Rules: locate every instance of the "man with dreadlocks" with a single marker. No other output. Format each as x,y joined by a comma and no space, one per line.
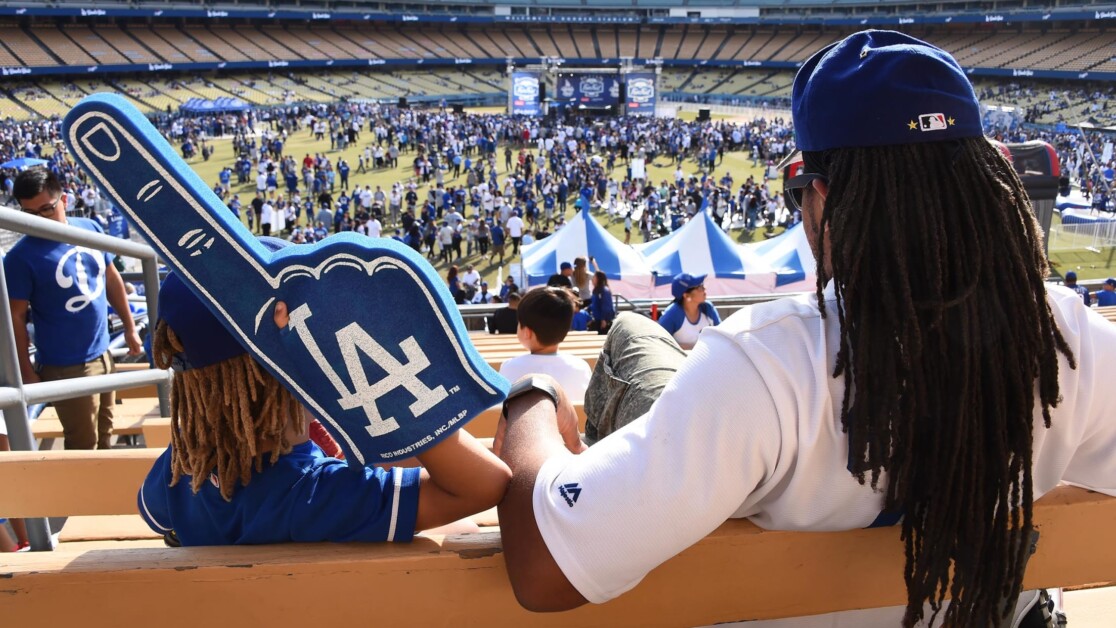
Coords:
933,382
241,468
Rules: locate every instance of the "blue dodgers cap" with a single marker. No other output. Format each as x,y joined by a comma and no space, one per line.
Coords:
1110,282
204,338
1070,276
565,266
683,282
881,88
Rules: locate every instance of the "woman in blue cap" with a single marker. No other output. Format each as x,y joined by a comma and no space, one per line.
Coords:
690,313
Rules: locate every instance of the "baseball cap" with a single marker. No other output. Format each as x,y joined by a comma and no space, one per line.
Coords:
1070,276
683,282
204,339
881,88
565,266
1110,282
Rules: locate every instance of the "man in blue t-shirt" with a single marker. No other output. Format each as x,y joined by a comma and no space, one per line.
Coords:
65,291
1106,296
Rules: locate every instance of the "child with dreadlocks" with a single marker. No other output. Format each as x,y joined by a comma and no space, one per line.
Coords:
933,382
241,468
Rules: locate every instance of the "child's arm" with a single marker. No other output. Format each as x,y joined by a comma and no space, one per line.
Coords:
460,478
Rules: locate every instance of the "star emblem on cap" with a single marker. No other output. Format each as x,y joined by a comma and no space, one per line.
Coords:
911,125
951,121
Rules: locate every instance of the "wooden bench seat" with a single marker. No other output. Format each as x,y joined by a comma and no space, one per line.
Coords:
128,418
1108,312
738,572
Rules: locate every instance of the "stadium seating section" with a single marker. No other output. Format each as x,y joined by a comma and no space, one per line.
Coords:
84,44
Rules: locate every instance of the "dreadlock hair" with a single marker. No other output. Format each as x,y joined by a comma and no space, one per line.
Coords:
946,336
221,414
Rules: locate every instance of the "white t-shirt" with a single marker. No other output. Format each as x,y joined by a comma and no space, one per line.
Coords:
572,372
770,447
515,227
375,229
687,334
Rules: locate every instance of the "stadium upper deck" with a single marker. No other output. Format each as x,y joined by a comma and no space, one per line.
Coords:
41,45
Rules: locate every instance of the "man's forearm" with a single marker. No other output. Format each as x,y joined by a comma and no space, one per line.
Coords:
531,439
23,346
118,298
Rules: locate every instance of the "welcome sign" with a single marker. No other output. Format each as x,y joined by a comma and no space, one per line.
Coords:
375,347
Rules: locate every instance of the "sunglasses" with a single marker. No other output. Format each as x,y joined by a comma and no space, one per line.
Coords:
44,210
795,188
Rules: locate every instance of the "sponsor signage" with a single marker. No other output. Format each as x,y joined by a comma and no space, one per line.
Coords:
642,93
525,94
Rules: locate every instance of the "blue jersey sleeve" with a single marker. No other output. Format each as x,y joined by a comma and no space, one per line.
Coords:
338,502
152,498
19,277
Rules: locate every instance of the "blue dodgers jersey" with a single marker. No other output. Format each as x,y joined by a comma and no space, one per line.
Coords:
65,285
305,496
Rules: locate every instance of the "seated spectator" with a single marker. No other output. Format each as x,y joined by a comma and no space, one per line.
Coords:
1106,296
271,483
690,312
483,296
545,315
508,287
561,279
581,317
505,320
1071,283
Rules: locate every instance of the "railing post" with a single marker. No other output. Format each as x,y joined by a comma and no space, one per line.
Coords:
151,293
19,426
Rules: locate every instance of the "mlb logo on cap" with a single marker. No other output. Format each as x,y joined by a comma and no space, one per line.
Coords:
932,122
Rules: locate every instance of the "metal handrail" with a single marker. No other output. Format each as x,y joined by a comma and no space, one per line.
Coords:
15,397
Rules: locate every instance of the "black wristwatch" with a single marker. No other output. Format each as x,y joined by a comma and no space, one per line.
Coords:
528,384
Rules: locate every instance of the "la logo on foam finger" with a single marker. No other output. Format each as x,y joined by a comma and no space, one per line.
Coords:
375,346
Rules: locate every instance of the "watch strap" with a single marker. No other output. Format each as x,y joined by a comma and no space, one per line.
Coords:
529,384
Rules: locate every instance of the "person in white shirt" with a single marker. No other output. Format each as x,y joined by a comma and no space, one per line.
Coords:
932,381
471,277
515,231
544,316
374,228
267,218
483,296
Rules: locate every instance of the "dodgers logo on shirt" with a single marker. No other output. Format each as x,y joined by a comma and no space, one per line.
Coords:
375,347
83,269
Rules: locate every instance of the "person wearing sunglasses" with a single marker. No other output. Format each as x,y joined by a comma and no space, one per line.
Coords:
932,381
65,290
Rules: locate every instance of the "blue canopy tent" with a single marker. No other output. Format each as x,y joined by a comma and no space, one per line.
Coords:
700,247
218,105
628,275
23,163
789,256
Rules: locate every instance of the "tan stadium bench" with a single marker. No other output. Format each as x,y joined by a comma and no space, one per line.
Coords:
738,572
1108,312
128,418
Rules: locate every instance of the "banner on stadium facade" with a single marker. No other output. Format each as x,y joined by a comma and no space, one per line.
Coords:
642,94
524,95
591,90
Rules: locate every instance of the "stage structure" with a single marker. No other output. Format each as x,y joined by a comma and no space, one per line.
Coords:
552,89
